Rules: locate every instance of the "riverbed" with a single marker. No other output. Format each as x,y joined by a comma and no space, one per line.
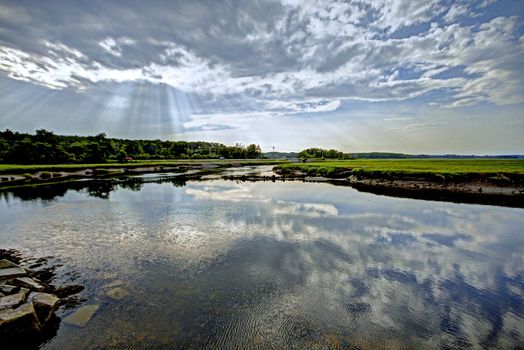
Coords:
213,263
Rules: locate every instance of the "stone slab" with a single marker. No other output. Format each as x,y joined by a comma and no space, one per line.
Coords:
8,289
12,300
21,320
27,282
4,263
11,272
45,304
117,293
82,316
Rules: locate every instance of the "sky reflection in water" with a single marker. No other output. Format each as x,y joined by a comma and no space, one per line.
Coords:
273,265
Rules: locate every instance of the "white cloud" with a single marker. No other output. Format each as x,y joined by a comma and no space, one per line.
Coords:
110,45
333,52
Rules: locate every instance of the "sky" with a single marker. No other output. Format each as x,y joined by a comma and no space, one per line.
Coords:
428,76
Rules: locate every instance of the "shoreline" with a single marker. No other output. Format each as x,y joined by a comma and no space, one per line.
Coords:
504,189
30,296
500,189
59,174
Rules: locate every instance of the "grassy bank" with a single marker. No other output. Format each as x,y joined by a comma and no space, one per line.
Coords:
446,168
20,169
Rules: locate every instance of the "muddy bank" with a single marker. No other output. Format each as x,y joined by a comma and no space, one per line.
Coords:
52,175
505,189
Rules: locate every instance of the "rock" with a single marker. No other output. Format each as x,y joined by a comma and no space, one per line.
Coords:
11,272
115,283
12,300
117,293
4,263
8,289
2,294
81,316
27,282
45,304
66,291
22,320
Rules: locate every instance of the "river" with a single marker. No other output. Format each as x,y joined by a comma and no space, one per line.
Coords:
220,264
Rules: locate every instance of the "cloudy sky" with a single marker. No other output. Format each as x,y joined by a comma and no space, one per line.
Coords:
426,76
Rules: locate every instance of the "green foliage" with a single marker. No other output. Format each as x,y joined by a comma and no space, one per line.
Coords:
323,153
441,167
44,147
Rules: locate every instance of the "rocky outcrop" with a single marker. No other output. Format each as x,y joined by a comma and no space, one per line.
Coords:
24,309
27,302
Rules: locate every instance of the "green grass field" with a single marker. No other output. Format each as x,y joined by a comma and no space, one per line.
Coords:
18,168
406,166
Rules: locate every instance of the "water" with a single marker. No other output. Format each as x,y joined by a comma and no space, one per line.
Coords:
232,265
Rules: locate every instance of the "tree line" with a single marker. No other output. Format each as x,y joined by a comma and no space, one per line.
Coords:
45,147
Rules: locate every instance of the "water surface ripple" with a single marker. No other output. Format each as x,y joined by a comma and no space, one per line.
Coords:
260,265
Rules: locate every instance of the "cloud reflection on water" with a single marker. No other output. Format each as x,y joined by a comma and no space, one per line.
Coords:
306,263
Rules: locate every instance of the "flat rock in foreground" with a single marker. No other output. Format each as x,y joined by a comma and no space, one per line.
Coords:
11,272
27,282
12,300
4,264
21,320
45,304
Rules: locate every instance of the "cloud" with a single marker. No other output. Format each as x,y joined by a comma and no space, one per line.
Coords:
277,56
110,45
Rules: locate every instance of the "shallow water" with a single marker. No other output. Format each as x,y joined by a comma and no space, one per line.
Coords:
243,265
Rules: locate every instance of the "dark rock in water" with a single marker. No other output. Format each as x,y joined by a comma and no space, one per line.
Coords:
45,304
11,255
66,291
19,321
12,300
29,283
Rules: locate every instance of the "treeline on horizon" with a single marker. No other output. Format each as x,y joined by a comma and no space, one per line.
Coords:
319,153
45,147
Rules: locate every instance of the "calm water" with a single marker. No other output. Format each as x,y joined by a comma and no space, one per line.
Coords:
226,265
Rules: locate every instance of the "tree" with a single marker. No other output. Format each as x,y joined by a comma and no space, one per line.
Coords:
253,151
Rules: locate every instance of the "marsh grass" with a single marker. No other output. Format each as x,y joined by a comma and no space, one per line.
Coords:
445,167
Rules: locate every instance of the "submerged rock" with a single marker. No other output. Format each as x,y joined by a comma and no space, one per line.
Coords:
27,282
22,320
66,291
82,316
115,283
45,304
117,293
